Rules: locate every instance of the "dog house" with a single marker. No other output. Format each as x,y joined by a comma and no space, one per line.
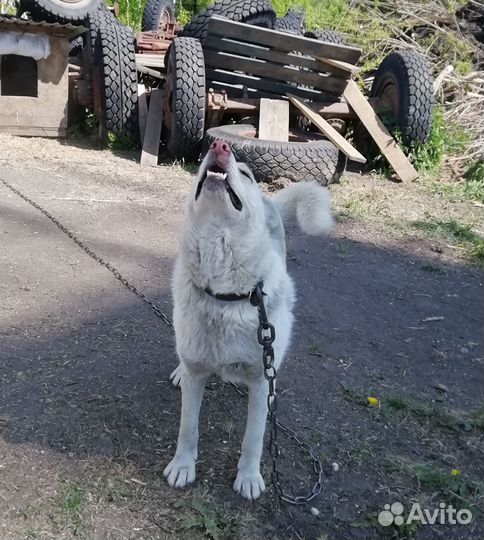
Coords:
34,76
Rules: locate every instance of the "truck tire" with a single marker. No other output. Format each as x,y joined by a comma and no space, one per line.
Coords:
330,36
63,11
184,99
403,83
157,13
255,12
307,157
114,55
292,22
95,19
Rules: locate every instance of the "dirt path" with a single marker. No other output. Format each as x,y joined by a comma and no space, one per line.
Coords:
88,419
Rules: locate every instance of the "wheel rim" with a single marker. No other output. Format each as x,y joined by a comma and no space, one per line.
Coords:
389,95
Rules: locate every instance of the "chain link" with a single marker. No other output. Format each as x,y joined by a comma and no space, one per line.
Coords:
266,335
116,273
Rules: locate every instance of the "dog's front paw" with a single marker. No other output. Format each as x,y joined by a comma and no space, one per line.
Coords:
249,484
180,471
176,376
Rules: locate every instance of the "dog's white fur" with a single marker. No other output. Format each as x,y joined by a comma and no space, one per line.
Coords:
230,251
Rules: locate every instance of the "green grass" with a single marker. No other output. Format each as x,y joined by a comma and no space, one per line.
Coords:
363,205
465,189
72,506
445,139
205,519
450,419
460,491
121,142
393,406
456,233
130,13
337,15
314,349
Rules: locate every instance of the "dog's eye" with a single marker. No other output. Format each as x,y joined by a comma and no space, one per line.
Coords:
246,174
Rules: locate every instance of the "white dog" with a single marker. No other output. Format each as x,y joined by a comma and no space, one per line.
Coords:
233,238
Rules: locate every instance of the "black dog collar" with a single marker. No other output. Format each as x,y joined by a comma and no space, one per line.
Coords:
232,297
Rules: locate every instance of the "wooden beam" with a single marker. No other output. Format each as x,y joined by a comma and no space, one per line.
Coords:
273,87
142,110
150,60
151,141
390,149
333,110
338,66
250,50
267,70
274,120
282,41
336,138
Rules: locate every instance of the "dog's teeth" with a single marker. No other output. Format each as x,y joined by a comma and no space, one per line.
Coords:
220,175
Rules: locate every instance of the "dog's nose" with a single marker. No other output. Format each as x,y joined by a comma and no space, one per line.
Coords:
220,147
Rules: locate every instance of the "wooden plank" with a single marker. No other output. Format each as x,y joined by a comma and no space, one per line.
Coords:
151,60
142,110
273,87
345,67
239,92
278,57
33,131
282,41
274,120
151,141
260,68
390,149
336,138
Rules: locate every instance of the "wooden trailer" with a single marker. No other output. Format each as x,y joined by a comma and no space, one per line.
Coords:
271,83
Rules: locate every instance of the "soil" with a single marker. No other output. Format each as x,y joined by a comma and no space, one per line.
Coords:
88,418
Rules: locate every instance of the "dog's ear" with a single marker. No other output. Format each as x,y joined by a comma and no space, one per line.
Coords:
245,171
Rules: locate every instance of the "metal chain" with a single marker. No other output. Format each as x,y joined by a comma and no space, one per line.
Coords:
266,335
116,273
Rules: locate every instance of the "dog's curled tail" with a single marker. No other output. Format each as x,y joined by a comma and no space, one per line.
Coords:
309,202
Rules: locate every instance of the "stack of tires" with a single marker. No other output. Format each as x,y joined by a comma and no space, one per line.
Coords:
108,50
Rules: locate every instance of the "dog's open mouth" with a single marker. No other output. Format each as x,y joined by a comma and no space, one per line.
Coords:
218,173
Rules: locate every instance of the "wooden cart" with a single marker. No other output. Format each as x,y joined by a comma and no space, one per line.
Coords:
241,67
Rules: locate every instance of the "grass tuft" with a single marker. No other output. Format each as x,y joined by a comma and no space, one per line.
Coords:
205,519
72,506
461,235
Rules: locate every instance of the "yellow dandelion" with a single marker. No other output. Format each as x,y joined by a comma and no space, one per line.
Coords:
373,401
454,472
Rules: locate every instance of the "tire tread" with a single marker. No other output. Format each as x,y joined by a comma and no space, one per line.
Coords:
315,160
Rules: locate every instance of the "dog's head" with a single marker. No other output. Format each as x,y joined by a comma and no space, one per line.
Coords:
225,188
